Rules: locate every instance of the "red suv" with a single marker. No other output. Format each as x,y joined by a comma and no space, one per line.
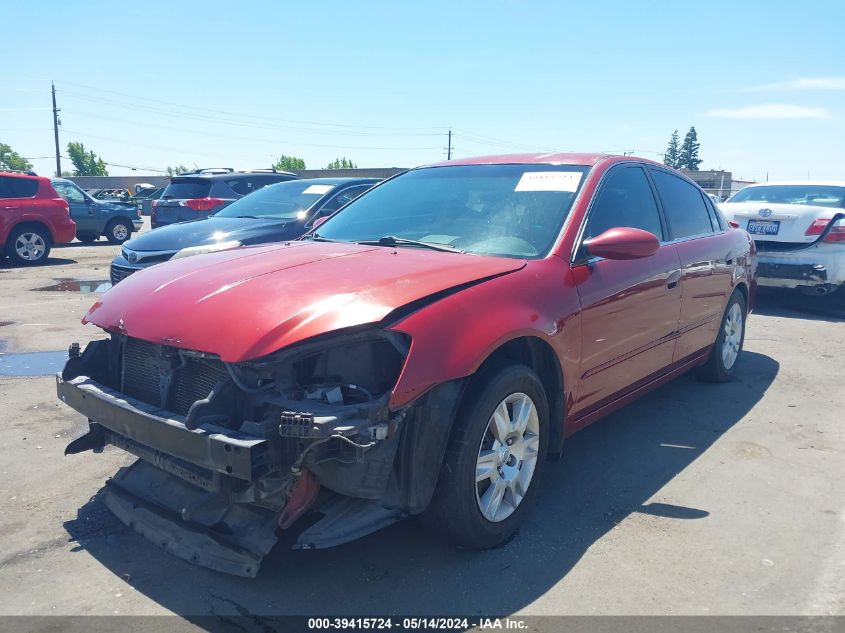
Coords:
421,352
32,218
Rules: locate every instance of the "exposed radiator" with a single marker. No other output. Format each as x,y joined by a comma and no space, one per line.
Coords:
146,367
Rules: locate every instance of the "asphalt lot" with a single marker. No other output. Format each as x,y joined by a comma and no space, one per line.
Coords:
698,499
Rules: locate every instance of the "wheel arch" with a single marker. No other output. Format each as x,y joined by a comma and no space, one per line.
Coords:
537,354
32,224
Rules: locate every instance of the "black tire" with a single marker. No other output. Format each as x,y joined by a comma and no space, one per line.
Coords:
37,233
87,238
715,370
454,511
118,231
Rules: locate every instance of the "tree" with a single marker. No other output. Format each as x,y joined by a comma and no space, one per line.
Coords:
341,163
688,158
85,163
289,163
175,171
10,159
672,156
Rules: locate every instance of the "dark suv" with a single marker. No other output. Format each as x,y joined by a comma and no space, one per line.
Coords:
198,194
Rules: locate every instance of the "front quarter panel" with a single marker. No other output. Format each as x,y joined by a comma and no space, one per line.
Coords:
452,337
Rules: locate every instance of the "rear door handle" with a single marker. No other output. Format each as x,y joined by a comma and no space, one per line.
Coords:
673,279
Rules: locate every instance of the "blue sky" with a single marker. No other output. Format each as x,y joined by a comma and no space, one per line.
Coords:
236,84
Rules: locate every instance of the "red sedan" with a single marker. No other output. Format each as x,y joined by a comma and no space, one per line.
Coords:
421,352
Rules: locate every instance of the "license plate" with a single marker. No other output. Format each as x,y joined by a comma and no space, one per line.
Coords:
763,227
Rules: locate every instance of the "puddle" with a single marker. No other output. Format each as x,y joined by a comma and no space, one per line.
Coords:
77,285
32,363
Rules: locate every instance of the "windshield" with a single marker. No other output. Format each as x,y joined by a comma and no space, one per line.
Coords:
817,195
505,210
283,201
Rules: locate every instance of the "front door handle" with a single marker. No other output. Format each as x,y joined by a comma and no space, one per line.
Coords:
673,279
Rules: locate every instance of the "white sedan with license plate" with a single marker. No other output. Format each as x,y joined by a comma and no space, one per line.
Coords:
799,231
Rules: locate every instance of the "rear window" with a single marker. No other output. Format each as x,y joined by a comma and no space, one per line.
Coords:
817,195
186,188
11,187
683,204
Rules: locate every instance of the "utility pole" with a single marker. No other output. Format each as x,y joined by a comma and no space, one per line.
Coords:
449,148
56,134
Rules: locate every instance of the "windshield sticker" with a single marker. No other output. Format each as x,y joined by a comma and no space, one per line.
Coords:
549,181
319,189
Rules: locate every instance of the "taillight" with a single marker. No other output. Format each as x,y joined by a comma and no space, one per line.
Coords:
204,204
65,204
153,210
733,225
837,234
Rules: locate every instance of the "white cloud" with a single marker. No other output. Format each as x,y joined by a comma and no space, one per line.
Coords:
801,83
770,111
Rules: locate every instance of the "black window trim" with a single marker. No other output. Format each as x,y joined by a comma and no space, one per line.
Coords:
578,258
704,197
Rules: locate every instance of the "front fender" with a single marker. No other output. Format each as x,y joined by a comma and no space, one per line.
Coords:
452,337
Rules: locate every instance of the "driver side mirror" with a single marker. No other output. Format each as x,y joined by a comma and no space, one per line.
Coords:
623,242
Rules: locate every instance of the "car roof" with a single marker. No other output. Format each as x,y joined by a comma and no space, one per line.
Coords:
545,158
334,181
799,183
229,175
20,174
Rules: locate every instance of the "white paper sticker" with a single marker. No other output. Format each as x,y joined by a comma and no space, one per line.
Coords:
319,189
549,181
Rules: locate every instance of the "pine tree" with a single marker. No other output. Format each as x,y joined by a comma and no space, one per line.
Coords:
672,156
689,151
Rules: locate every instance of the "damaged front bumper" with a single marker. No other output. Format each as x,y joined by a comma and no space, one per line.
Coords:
215,491
210,495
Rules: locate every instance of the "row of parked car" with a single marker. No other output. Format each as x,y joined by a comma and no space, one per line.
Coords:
797,226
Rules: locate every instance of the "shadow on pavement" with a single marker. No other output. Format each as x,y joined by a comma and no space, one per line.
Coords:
6,263
792,304
609,471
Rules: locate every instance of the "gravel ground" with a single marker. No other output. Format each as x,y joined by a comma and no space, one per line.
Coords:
697,499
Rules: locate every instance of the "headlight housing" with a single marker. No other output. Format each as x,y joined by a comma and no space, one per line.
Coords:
206,248
344,367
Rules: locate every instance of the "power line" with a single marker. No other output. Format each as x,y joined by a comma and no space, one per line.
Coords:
237,115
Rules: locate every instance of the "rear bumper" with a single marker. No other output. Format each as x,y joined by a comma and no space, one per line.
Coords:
63,232
819,265
137,224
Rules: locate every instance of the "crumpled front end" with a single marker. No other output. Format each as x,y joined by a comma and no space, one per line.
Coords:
231,452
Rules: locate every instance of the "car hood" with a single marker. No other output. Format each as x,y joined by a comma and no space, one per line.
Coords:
211,230
248,302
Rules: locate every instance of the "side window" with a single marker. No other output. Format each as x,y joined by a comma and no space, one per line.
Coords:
686,213
242,186
714,216
625,199
18,187
344,197
71,194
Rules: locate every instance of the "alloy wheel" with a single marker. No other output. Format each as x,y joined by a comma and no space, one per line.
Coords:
507,457
30,247
733,336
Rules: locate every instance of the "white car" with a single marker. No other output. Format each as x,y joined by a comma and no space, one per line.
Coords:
799,230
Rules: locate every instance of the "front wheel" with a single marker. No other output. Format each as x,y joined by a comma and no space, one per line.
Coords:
726,351
491,470
118,231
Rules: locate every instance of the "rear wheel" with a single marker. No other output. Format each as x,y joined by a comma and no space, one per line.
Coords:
118,231
728,347
28,246
491,471
87,238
